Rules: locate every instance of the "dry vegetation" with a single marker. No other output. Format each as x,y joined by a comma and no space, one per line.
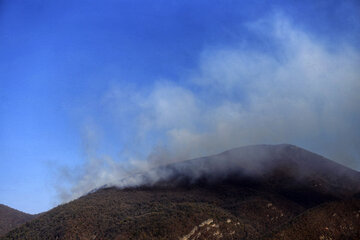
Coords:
171,213
276,205
329,221
11,218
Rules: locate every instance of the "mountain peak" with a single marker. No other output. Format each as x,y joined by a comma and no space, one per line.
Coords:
260,162
251,192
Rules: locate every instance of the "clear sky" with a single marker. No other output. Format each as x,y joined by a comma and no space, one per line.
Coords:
88,85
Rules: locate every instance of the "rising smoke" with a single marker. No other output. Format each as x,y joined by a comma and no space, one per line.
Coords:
305,92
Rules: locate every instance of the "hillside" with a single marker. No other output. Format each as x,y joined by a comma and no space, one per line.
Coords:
11,218
282,167
246,193
333,220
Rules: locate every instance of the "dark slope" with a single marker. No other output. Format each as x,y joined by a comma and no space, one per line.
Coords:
245,193
334,220
286,169
161,213
11,218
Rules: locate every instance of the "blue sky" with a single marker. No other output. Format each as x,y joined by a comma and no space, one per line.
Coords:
123,81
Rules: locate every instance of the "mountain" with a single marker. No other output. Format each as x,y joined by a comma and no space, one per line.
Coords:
254,192
333,220
11,218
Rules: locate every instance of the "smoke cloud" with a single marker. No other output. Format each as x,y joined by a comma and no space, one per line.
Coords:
304,91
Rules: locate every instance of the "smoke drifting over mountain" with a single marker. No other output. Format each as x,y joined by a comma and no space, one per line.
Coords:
305,92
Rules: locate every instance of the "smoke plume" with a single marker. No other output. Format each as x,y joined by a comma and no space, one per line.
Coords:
305,91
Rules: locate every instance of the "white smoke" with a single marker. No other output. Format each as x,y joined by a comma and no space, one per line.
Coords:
304,92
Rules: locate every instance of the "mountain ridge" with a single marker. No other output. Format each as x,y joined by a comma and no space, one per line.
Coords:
11,218
223,196
252,161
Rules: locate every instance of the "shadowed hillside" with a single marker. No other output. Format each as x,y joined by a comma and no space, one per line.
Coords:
283,167
246,193
11,218
334,220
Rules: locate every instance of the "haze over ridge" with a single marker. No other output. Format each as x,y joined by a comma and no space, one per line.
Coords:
94,91
290,95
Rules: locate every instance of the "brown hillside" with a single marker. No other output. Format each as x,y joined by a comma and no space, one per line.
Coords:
161,213
11,218
335,220
246,193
